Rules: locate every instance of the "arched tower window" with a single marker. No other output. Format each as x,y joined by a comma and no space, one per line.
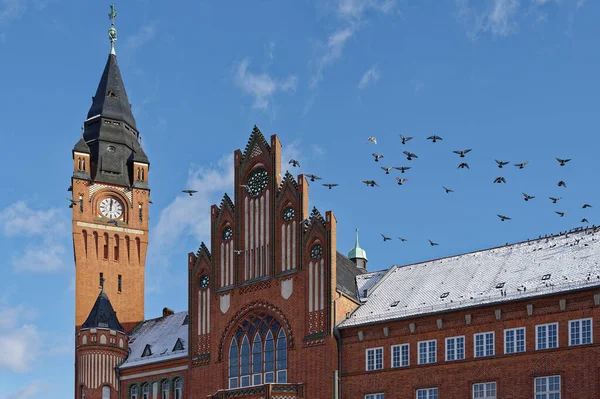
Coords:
105,246
134,392
178,382
106,392
139,174
164,389
79,163
116,249
83,164
261,358
96,243
84,340
128,247
143,175
102,339
85,239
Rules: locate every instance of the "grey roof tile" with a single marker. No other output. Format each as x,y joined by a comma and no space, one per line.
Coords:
102,315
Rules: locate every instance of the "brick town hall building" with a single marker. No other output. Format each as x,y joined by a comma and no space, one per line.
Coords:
275,311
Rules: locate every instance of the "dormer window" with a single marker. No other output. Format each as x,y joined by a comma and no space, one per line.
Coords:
178,345
147,351
186,321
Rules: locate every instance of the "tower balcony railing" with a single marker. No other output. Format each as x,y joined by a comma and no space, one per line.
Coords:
266,391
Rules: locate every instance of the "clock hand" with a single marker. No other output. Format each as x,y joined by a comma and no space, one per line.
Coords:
111,202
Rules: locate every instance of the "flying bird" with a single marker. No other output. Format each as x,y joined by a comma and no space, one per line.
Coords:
401,180
562,162
561,214
405,139
434,138
377,156
527,197
313,177
503,218
239,251
501,164
586,206
447,190
463,165
113,221
385,238
330,185
402,168
402,239
190,192
562,184
554,199
499,179
371,183
70,188
371,140
461,152
387,169
433,243
522,164
294,163
409,155
74,202
584,220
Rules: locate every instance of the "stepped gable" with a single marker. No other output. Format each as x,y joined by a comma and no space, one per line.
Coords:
287,178
316,215
256,135
202,250
226,202
102,315
524,270
158,340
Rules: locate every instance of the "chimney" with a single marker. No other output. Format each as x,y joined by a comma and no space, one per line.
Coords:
167,312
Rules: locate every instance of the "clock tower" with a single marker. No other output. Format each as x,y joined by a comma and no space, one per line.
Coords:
110,197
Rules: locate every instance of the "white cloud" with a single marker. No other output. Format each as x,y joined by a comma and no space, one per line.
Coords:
11,10
290,151
498,18
10,316
18,219
34,389
48,253
191,215
145,34
371,76
352,12
261,86
19,348
45,257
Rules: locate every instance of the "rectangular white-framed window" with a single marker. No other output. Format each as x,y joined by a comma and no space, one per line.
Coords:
547,387
455,348
427,393
428,351
580,332
400,355
486,390
374,358
514,340
546,336
375,396
484,344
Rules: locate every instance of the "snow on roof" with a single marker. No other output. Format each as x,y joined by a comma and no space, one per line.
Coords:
528,269
161,335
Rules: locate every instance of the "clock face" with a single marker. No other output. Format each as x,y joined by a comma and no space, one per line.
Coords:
111,208
316,251
288,214
204,281
257,182
227,233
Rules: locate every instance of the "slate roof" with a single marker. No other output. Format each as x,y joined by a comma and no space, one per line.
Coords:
346,272
102,315
81,146
111,99
514,272
161,334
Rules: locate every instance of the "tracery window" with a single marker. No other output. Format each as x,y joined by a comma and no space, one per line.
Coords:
258,352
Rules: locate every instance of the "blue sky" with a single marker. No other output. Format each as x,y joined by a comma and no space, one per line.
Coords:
514,80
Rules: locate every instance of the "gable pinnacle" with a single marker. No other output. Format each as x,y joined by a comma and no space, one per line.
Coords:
112,31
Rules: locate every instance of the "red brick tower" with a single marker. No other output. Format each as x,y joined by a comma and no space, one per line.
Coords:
110,202
101,344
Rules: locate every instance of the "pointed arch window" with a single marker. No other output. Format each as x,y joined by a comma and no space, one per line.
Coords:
134,392
146,391
261,358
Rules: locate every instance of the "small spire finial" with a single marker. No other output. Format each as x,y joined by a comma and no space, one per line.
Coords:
102,282
112,32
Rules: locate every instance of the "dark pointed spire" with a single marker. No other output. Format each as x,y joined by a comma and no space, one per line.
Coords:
102,314
111,99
